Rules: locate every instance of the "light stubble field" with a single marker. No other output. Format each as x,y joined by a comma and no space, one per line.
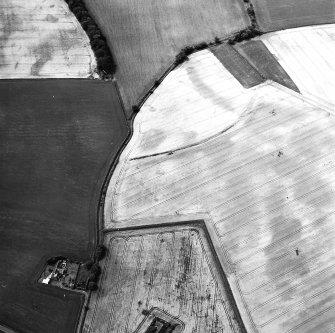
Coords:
145,36
267,186
306,54
42,39
170,268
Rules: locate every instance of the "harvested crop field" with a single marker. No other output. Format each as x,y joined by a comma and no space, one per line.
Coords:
306,54
205,100
276,15
167,269
266,187
58,138
145,36
42,39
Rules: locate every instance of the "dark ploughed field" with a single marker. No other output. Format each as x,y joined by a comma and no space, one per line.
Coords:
57,141
283,14
145,36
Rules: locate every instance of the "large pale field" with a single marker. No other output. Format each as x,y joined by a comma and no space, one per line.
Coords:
307,55
284,14
146,35
169,269
266,188
42,39
205,98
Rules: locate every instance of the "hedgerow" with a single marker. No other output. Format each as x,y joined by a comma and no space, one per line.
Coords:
251,12
186,51
105,61
244,34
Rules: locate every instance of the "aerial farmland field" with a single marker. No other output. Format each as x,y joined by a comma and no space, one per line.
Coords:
168,269
42,39
145,36
265,62
58,138
205,98
276,15
208,207
307,55
266,187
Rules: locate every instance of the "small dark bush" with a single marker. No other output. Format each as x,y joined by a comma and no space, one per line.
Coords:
81,14
200,46
245,34
86,23
76,10
53,260
91,27
187,50
100,53
96,36
106,64
96,269
145,312
99,44
135,108
93,32
92,286
217,40
156,84
180,58
100,252
93,277
251,11
88,264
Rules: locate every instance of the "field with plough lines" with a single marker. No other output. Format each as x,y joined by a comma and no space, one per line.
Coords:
276,15
306,54
258,56
204,98
42,39
267,187
145,36
170,269
58,138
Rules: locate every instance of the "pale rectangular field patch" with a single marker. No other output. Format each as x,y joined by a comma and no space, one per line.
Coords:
169,269
42,40
306,54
